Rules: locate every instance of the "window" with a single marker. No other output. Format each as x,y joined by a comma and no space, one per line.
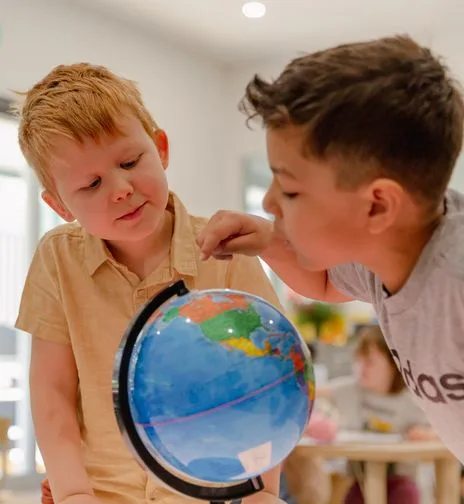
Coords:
23,219
13,205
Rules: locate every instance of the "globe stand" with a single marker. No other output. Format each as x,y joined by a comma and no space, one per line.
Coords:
213,494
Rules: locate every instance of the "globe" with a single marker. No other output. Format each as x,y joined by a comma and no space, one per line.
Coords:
212,388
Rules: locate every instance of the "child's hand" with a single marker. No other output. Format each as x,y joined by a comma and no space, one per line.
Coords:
47,497
228,233
420,433
321,428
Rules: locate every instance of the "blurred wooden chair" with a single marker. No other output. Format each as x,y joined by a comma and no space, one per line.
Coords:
340,486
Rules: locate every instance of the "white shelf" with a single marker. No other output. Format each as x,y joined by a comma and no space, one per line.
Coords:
12,394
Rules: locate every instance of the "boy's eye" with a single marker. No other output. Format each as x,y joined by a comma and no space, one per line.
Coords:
94,184
130,164
290,195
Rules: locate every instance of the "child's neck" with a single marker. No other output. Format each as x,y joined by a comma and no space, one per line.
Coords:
381,392
143,257
396,258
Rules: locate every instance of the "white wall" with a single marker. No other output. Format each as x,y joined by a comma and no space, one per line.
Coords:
244,144
190,96
185,92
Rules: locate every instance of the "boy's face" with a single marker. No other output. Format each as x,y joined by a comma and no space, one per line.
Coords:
115,187
323,224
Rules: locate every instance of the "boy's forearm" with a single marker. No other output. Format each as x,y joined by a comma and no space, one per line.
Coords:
58,437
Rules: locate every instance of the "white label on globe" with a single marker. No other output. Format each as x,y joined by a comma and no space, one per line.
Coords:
256,459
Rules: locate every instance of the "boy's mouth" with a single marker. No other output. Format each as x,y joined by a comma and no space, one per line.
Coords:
132,214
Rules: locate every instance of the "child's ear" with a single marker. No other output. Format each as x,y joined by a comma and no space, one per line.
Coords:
162,144
386,202
57,206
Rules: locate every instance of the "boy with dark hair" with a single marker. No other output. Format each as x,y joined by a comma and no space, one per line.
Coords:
362,140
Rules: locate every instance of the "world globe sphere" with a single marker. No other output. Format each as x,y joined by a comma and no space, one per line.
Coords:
212,388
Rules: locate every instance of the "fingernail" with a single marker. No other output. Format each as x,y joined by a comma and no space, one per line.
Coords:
202,256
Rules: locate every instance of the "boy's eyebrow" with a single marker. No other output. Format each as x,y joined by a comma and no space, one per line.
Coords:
282,171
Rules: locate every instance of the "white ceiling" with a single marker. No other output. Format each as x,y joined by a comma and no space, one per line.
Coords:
218,28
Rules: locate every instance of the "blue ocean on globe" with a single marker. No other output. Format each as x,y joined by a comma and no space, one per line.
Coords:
220,386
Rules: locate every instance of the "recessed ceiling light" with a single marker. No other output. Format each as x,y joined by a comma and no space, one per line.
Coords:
254,9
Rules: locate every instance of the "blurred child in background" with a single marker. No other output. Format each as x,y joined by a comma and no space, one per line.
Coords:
376,399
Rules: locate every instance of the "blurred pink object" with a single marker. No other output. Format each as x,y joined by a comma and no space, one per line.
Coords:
321,428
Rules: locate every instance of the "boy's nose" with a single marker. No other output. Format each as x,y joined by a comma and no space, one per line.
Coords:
270,203
122,190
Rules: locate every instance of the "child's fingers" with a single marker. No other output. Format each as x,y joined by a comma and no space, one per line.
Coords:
215,233
245,244
47,497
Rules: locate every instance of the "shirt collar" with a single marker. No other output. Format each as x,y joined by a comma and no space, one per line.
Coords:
183,256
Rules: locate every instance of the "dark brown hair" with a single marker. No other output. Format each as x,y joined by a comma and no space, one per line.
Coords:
371,336
385,108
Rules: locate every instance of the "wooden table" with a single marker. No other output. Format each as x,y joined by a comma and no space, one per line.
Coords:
377,455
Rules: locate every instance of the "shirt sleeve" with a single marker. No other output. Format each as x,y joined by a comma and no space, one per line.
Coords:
41,312
353,280
246,274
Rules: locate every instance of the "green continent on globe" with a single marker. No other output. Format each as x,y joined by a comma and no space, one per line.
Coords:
171,314
229,322
242,323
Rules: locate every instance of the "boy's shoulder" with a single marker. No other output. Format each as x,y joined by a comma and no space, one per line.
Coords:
62,250
68,230
449,241
64,237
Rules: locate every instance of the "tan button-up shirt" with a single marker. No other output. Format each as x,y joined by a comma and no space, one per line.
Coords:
77,294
